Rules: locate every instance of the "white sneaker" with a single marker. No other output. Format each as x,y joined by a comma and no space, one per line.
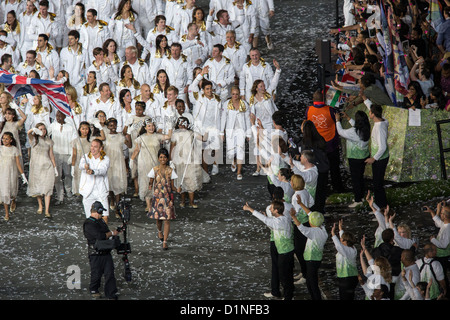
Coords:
233,167
355,204
271,296
206,177
215,169
256,173
300,281
239,176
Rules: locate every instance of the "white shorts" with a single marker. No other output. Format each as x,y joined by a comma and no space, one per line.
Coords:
87,204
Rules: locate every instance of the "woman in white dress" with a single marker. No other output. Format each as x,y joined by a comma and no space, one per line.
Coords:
132,125
14,125
42,170
147,145
117,172
9,167
185,154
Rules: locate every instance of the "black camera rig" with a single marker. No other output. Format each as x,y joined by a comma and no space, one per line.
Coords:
124,248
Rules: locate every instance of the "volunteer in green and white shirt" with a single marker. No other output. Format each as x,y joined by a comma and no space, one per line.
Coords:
357,144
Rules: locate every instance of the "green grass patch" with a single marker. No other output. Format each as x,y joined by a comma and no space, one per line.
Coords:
400,195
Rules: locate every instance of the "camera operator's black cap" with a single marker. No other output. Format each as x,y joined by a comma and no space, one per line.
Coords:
97,207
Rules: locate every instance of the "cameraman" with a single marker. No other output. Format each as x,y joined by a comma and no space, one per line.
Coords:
100,261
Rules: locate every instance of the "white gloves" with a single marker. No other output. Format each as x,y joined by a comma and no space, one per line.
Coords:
56,171
171,165
131,164
13,105
97,124
72,171
24,178
37,131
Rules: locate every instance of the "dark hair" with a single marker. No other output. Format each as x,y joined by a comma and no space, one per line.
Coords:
93,11
14,113
5,58
111,120
349,237
219,46
13,141
362,125
311,137
106,44
167,81
418,88
377,110
74,33
158,40
176,44
278,118
140,104
43,36
82,123
120,7
195,11
367,80
286,172
164,152
14,24
122,94
440,98
387,235
125,68
277,193
278,205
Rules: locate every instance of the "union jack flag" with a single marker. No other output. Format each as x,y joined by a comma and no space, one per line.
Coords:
19,85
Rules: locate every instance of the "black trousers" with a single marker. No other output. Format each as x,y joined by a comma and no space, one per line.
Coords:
102,265
335,173
299,249
378,172
445,262
357,167
275,275
286,269
312,279
321,192
347,287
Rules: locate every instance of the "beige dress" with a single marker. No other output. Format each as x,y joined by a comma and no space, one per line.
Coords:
83,147
147,158
41,179
117,172
187,161
14,128
9,186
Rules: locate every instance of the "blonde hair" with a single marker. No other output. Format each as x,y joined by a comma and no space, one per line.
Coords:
385,268
406,228
297,182
72,92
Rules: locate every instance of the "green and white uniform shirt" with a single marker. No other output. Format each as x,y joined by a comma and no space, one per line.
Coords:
317,236
345,258
356,148
282,232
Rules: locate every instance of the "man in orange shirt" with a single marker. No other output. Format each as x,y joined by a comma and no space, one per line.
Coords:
324,119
